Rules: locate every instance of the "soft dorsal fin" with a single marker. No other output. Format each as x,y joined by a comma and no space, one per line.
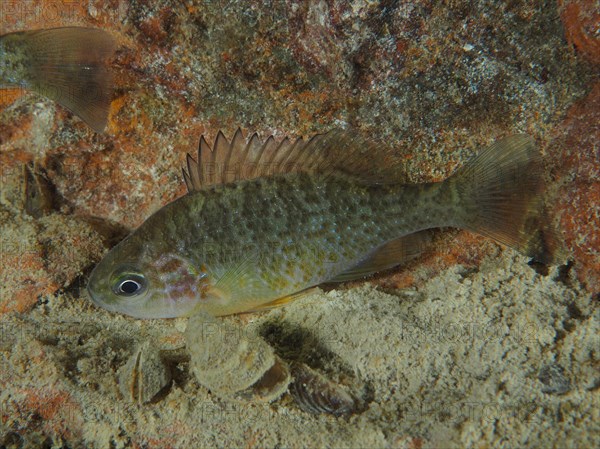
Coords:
335,152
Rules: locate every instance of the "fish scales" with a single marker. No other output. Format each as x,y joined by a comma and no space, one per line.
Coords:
317,226
256,243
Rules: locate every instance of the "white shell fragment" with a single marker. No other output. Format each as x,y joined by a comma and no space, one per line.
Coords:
233,362
144,375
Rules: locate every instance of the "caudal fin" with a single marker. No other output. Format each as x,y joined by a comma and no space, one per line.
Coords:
500,196
68,65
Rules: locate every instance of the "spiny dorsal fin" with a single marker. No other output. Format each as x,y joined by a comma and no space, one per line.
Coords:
335,152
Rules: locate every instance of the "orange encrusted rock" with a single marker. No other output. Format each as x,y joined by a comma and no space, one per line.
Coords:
581,19
576,160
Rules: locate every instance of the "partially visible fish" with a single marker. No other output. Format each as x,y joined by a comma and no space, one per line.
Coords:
265,221
67,65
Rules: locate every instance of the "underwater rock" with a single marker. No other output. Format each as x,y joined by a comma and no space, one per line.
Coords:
575,160
581,19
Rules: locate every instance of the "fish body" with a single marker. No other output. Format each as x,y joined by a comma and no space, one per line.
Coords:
67,65
252,243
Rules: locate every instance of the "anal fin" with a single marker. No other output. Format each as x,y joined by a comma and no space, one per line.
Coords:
285,299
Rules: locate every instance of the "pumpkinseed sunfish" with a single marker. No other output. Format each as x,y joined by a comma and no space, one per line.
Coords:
66,65
265,221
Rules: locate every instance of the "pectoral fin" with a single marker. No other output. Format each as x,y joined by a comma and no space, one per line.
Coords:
241,285
389,255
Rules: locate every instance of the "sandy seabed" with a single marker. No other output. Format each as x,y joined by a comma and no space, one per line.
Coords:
497,357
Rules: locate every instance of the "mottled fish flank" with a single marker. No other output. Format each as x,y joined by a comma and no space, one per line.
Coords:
264,221
67,65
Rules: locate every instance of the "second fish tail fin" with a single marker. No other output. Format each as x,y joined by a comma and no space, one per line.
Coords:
500,195
68,65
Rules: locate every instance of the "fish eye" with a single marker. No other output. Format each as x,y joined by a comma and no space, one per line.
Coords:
130,284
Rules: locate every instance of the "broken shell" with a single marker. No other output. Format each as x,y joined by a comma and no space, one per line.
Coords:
553,378
234,363
38,195
144,375
314,393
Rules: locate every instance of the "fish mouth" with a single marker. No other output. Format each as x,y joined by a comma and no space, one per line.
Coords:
94,286
109,305
97,299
